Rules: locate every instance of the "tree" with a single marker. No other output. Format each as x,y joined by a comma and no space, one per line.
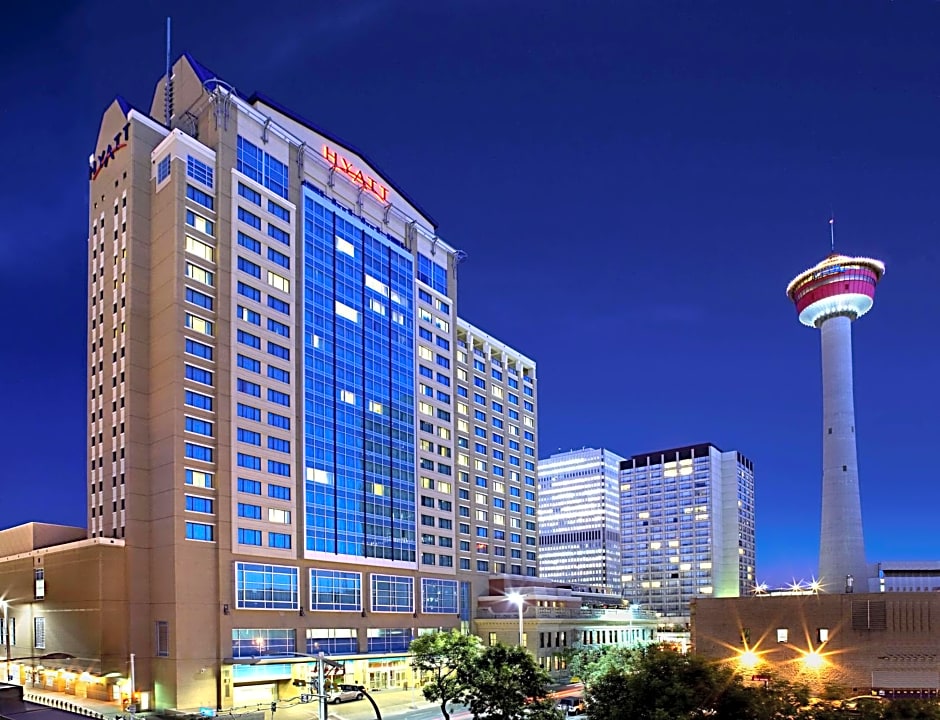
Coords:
662,684
505,683
442,655
588,663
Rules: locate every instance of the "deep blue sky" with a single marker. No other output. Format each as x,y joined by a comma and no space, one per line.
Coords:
635,182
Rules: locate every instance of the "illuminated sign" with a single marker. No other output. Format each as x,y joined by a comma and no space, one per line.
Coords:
366,182
100,162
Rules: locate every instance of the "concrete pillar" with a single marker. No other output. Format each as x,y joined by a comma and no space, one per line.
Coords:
841,544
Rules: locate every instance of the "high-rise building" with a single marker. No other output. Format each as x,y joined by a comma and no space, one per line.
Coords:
830,296
579,518
273,434
497,447
687,517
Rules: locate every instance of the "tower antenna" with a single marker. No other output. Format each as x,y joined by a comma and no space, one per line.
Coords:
168,88
832,232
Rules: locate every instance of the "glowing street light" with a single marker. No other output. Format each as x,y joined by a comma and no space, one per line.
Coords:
519,601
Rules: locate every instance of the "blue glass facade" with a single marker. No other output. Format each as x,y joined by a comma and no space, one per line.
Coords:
359,369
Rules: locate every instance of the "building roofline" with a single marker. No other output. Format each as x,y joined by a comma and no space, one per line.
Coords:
258,97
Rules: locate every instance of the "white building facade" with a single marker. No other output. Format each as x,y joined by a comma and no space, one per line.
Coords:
687,518
579,518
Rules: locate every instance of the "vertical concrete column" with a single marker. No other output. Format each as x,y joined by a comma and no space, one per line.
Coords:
841,544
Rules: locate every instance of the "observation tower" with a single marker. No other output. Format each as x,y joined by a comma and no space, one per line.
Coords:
829,296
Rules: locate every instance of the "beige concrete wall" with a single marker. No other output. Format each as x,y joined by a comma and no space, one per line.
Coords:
907,642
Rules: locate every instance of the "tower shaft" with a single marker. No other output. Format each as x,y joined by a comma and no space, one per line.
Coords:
841,543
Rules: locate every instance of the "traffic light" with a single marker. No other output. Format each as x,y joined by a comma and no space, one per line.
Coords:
273,707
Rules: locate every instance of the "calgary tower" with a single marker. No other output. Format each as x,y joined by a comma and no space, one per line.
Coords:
829,296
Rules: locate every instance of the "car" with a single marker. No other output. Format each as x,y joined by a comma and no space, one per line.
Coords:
571,705
344,693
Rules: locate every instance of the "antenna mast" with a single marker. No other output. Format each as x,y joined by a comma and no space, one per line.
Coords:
168,88
832,233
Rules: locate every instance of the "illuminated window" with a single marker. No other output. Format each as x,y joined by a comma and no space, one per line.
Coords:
822,635
783,635
279,516
283,284
200,249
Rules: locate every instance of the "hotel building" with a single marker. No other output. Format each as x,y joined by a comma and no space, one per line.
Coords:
687,518
298,444
579,518
496,450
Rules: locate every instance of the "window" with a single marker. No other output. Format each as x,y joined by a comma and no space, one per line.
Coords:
198,196
278,305
279,258
198,478
199,171
279,328
198,426
248,436
278,211
279,421
252,487
200,274
163,169
246,338
249,388
199,504
246,241
197,452
252,196
277,234
279,468
278,282
249,267
247,363
822,635
197,298
261,167
39,632
247,536
279,444
783,635
392,593
266,587
248,315
162,644
198,400
201,325
279,540
278,492
200,531
438,596
201,224
335,590
248,291
249,218
278,397
252,462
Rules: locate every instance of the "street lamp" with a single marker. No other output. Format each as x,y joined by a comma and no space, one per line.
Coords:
519,601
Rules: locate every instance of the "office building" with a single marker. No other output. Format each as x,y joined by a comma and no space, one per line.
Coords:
687,518
830,296
579,518
282,434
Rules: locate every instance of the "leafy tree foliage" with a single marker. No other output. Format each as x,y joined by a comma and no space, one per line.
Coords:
443,657
661,684
505,683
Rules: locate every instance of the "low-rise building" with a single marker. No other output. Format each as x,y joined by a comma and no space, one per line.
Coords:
847,644
552,618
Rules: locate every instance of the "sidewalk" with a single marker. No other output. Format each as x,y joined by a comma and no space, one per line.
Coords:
101,709
390,701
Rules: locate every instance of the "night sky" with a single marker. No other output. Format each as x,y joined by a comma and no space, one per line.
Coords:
634,182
